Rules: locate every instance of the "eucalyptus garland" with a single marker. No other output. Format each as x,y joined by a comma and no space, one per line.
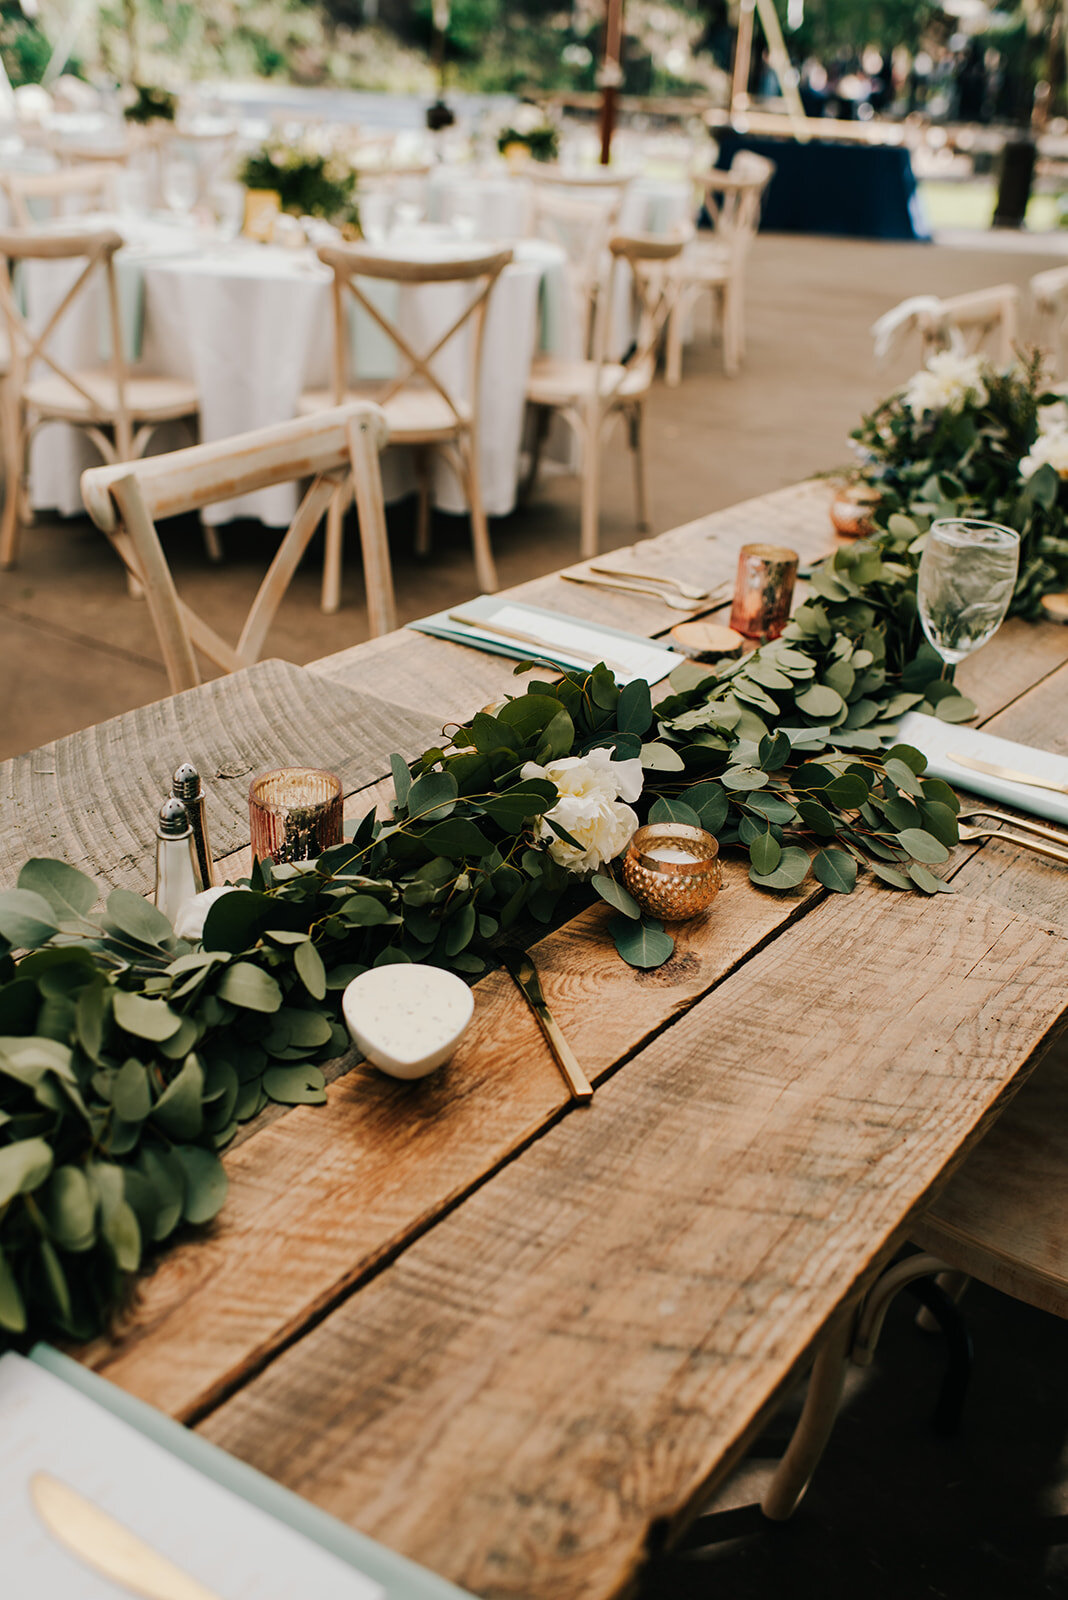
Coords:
129,1056
967,439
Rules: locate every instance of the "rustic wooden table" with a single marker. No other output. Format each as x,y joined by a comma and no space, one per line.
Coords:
521,1341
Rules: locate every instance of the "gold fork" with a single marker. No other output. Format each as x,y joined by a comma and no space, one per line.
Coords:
1030,835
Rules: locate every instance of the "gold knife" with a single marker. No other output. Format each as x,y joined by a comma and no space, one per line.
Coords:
525,973
107,1547
1007,774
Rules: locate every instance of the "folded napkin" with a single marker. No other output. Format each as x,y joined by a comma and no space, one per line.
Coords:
938,739
554,637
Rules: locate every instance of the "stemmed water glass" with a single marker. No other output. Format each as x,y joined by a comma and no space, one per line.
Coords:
966,581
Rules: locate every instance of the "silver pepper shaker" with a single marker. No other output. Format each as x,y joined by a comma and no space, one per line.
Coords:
175,876
187,787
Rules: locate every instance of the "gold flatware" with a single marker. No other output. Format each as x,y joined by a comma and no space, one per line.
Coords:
525,974
107,1547
1015,830
689,591
673,600
1007,774
585,658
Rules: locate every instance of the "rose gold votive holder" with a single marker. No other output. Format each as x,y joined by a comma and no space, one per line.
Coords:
764,590
295,813
672,870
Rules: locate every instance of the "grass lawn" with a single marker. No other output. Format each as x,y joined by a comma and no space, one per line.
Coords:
971,205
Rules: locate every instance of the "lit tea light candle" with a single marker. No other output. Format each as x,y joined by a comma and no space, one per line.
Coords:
672,870
295,813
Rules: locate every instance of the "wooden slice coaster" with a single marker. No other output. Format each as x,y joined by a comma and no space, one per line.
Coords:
708,641
1056,607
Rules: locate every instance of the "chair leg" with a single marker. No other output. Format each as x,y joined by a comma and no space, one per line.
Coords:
673,351
542,419
641,493
333,553
732,332
591,489
803,1453
422,525
16,454
485,566
212,543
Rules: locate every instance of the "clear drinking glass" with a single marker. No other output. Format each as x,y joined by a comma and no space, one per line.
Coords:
966,579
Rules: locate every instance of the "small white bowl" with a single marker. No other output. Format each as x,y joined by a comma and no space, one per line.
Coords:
407,1019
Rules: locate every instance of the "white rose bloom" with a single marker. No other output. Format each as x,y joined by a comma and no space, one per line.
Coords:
949,382
189,923
591,788
1048,449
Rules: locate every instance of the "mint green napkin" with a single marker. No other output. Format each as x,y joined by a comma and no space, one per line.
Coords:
402,1579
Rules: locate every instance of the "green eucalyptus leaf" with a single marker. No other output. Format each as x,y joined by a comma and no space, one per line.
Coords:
12,1305
820,701
926,880
641,944
179,1109
23,1167
615,895
402,778
26,918
634,710
146,1019
69,893
248,986
297,1085
835,869
922,846
131,1095
433,796
310,970
765,853
657,757
665,810
205,1183
792,869
130,916
890,875
69,1207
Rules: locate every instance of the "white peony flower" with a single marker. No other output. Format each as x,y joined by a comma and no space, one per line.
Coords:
949,382
189,923
591,789
1048,449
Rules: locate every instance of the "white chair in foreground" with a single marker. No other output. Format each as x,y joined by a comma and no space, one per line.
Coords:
981,322
1049,298
423,408
337,450
715,265
119,411
999,1219
588,394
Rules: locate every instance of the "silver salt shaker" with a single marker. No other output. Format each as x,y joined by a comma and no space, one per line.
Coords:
187,787
175,877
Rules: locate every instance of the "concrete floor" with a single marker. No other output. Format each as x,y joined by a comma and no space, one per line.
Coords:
896,1512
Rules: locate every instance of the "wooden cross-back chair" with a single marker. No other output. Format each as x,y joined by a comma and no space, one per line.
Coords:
423,410
999,1219
716,266
981,322
118,411
590,393
336,449
1049,299
580,224
91,186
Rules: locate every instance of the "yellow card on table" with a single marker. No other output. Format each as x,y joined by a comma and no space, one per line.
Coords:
262,206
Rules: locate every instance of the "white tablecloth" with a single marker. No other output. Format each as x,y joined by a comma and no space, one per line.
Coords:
251,327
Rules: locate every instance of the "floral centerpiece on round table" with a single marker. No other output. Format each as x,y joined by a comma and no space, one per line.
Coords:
967,438
529,136
312,177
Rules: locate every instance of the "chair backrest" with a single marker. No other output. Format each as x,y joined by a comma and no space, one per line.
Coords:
126,500
92,185
734,198
650,261
580,223
351,263
984,320
1049,299
30,346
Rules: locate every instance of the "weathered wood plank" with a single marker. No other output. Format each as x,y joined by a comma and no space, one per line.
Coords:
92,798
572,1354
321,1195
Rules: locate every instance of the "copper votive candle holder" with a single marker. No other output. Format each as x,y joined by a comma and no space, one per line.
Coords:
672,870
764,590
295,813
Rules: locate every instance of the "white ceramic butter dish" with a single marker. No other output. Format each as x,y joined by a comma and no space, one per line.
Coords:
407,1019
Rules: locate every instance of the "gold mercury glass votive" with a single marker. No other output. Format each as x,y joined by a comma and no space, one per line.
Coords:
295,813
672,870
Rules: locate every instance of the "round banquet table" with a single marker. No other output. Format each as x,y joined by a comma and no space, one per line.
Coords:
251,327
